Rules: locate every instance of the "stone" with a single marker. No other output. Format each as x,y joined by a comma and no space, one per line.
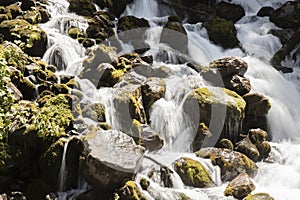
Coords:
116,7
175,35
202,133
240,85
94,111
28,4
193,173
287,16
231,163
230,11
209,105
246,147
222,32
130,191
240,187
257,105
150,139
152,90
265,11
82,7
111,157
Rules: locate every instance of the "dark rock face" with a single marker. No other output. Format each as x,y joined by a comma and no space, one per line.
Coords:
240,187
232,163
265,12
112,156
288,15
229,11
222,32
240,85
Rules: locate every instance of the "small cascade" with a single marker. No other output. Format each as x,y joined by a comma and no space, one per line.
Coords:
63,171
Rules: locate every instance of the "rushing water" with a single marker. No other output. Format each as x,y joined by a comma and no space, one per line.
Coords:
280,179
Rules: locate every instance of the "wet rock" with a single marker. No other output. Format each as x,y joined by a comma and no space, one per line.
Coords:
228,66
130,191
33,38
152,90
193,173
94,111
230,11
222,32
203,105
287,16
111,157
202,132
240,85
28,4
116,7
265,11
259,196
246,147
257,105
82,7
259,138
240,187
150,139
232,163
225,143
75,33
175,35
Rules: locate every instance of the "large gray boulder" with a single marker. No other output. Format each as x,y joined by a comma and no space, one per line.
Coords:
111,157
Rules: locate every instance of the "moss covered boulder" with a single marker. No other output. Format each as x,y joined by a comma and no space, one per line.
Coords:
240,187
31,38
222,32
232,163
288,15
129,191
246,147
94,111
82,7
206,105
193,173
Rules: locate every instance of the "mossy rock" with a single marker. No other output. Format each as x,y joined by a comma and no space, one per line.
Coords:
193,173
94,111
259,196
13,11
240,187
82,7
246,147
33,17
31,38
222,32
232,163
75,33
129,191
204,103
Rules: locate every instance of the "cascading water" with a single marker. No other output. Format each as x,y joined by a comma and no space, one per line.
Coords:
281,178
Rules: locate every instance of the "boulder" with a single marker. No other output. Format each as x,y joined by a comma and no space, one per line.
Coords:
265,11
220,108
259,138
259,196
152,90
287,16
175,35
150,139
240,85
222,32
232,163
246,147
193,173
230,11
33,38
82,7
240,187
257,105
111,157
130,191
94,111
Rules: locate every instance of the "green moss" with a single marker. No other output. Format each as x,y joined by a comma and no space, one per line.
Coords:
117,74
193,173
33,17
129,192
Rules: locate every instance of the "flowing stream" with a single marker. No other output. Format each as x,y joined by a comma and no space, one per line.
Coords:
280,179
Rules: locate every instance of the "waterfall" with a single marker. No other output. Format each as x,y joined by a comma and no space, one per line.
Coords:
167,116
63,171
